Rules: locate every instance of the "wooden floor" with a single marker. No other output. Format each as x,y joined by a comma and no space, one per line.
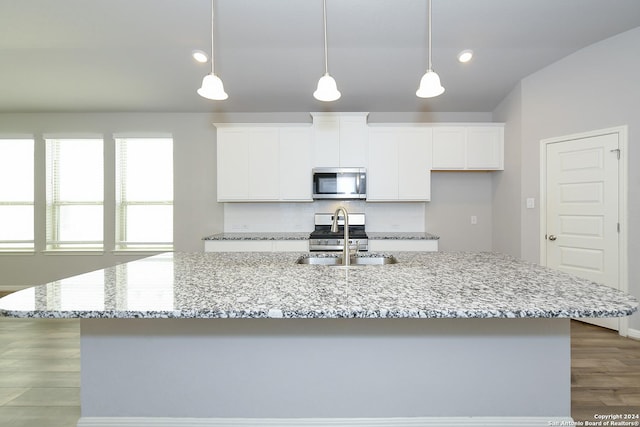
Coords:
40,373
605,373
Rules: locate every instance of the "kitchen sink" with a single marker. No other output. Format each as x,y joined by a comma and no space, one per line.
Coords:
355,261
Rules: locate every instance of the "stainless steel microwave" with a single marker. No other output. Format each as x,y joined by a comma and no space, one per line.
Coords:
339,183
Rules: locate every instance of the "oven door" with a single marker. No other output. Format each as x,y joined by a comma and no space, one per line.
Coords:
341,183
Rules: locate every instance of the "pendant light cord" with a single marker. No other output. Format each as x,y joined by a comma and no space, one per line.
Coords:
212,20
429,16
324,19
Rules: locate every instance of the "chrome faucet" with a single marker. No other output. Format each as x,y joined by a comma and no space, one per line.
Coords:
334,229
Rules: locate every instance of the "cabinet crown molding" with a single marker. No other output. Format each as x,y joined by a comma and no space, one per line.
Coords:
339,115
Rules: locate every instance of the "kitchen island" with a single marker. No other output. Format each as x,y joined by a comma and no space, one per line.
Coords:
255,339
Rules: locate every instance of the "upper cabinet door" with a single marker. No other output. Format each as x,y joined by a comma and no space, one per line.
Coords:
264,164
399,164
468,147
414,164
326,141
295,164
485,147
382,172
353,141
340,139
449,151
233,164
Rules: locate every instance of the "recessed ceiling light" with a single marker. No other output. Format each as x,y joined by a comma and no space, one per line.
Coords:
200,56
465,55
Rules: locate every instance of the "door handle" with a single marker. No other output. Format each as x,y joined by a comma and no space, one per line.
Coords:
553,237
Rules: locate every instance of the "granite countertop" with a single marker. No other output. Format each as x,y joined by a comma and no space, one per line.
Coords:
374,235
400,235
260,236
272,285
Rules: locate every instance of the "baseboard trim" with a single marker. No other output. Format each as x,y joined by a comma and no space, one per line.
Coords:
327,422
633,333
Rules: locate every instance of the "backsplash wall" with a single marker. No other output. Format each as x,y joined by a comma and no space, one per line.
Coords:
298,217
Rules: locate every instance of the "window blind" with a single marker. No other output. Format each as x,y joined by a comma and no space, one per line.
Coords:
144,193
16,194
75,194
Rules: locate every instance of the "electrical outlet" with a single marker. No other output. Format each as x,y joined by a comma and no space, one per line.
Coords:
531,203
474,219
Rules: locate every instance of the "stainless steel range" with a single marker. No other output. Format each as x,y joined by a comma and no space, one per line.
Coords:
323,239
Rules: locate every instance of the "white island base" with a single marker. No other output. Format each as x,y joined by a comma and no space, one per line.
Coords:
325,372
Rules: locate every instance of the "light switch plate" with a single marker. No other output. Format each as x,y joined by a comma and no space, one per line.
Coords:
531,203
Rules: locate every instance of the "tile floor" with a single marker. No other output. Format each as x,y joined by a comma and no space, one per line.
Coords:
39,373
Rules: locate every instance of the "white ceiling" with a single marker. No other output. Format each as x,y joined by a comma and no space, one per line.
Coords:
134,55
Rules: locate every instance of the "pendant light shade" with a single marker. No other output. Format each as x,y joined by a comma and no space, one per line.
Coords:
212,87
430,85
327,88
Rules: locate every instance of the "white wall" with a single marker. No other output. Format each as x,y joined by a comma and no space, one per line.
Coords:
594,88
455,197
507,198
196,212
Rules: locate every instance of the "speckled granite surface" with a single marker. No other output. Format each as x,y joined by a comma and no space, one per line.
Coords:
259,236
391,235
272,285
375,235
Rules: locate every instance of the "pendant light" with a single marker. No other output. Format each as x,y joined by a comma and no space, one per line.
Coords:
212,87
327,89
430,83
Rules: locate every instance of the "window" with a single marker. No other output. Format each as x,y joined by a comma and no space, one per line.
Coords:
16,194
149,284
75,194
81,292
144,193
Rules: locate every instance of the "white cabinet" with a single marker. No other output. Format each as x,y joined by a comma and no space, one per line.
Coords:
468,147
233,164
326,141
485,147
449,150
295,164
273,162
340,139
263,163
256,246
399,164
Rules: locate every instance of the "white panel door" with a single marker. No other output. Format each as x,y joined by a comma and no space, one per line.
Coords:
582,210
